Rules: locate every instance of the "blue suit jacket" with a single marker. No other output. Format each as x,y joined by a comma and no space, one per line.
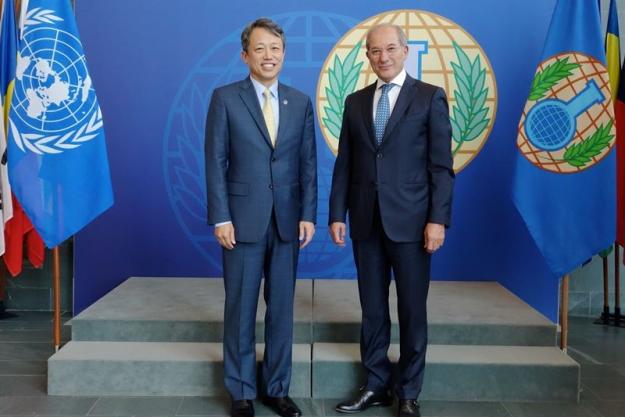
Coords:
410,173
246,178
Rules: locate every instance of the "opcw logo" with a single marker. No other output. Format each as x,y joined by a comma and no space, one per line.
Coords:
441,53
567,126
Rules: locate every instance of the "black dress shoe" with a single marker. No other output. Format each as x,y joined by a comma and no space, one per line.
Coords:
284,406
365,400
242,408
408,408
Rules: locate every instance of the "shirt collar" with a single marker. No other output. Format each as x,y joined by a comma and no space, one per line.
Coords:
398,80
260,88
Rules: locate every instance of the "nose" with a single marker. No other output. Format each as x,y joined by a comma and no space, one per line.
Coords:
267,54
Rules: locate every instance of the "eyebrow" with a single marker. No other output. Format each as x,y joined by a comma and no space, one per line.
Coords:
387,46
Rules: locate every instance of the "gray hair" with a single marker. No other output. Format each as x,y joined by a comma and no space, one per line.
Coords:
263,23
403,41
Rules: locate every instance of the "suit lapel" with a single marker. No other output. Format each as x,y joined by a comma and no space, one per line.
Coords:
367,111
284,116
248,95
406,95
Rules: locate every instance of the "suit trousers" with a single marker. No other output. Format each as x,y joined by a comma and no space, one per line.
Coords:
375,257
243,268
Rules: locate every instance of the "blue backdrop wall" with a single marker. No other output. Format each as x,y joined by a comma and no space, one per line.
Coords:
154,64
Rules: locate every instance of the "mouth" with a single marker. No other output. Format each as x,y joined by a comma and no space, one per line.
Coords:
268,66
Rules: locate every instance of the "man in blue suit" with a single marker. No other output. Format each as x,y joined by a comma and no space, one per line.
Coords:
261,176
394,176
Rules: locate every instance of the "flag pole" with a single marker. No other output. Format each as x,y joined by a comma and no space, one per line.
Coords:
605,316
617,287
56,284
564,313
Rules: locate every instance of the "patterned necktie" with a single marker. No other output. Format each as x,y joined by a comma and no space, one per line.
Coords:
268,116
382,113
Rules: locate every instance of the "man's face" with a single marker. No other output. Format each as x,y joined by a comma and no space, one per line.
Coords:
264,56
386,54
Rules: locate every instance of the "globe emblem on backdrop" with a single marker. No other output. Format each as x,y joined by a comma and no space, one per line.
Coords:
441,53
309,37
52,87
566,126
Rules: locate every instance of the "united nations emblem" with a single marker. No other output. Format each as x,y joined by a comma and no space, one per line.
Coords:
54,107
441,53
567,125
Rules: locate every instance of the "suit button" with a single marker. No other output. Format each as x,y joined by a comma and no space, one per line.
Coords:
271,186
379,156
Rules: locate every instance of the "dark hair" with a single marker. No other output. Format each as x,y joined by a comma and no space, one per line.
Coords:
263,23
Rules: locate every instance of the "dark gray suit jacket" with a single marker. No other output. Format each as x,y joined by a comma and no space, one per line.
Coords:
246,178
411,173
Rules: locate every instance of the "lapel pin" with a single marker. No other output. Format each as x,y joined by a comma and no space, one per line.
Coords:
285,102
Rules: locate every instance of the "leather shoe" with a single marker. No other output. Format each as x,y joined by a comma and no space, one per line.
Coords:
284,406
242,408
365,400
408,408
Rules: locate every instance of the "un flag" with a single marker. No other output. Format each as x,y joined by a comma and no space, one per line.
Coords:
57,159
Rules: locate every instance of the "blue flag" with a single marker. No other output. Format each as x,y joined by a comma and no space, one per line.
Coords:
8,51
564,180
58,165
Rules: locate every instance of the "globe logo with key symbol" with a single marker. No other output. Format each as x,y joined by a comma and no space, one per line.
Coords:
567,125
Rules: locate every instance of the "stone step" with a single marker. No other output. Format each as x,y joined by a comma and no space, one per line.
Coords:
153,369
459,373
191,310
453,372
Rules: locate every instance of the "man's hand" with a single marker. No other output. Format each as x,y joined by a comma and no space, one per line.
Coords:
434,236
225,236
337,233
306,233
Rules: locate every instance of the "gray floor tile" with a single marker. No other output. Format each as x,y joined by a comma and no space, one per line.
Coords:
599,371
68,406
23,367
26,351
586,396
610,389
204,406
22,386
611,408
33,335
550,409
136,406
607,352
463,409
620,368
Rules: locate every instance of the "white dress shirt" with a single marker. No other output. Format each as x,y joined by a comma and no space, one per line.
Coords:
393,93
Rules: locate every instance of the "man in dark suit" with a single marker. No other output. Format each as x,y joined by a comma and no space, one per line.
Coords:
261,176
394,175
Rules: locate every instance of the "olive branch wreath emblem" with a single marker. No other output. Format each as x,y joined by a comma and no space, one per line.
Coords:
469,116
343,76
581,153
42,144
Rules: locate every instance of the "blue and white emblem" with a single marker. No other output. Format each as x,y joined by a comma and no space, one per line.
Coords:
55,108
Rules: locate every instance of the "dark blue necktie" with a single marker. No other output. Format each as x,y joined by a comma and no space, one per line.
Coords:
382,113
